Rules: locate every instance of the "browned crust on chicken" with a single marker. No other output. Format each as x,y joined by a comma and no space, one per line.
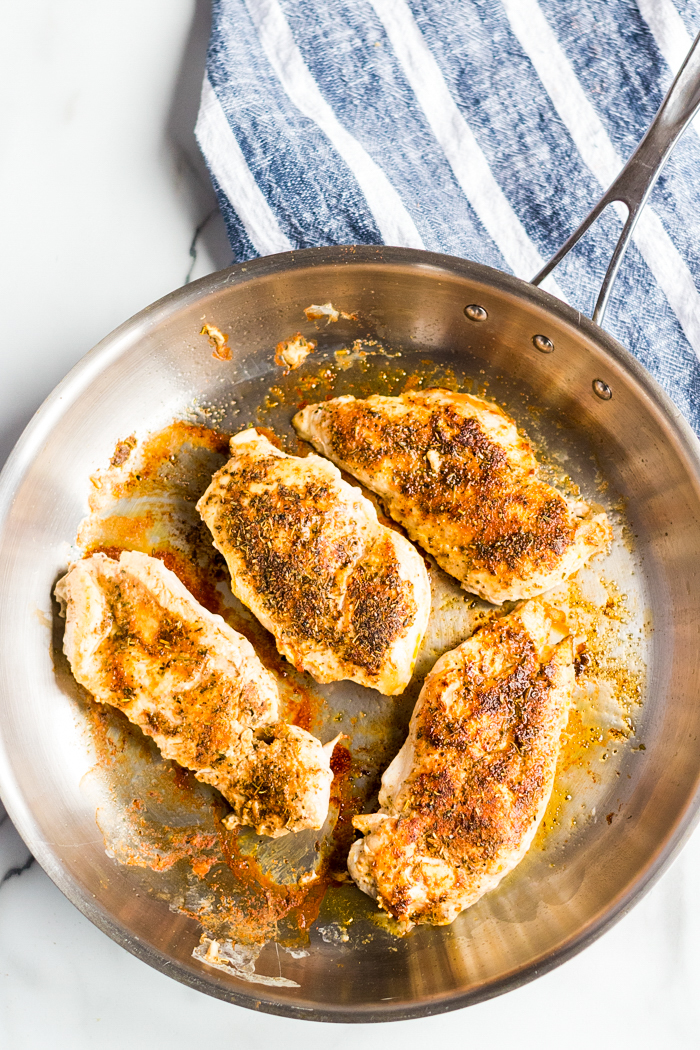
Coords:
462,800
136,639
344,596
454,471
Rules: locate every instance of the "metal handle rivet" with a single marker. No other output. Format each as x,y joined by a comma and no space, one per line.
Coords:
475,313
543,344
601,390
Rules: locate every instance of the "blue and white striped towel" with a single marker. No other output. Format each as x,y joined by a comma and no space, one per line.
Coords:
482,128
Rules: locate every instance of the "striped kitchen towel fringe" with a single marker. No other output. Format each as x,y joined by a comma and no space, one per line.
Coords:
481,128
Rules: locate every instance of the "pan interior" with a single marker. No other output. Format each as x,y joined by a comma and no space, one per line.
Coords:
409,321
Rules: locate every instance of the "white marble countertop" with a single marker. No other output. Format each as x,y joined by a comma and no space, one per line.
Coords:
102,192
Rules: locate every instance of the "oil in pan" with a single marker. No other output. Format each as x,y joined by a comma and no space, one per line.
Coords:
245,890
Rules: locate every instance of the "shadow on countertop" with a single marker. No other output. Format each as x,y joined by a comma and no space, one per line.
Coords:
208,225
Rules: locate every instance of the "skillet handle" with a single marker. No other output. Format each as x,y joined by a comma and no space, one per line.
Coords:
636,180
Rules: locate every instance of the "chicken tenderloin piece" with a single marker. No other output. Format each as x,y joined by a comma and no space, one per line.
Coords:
463,798
137,639
344,597
455,472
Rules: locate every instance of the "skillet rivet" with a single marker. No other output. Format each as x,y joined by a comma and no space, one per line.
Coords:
543,344
602,390
475,313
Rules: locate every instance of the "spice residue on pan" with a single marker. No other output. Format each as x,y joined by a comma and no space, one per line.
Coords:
328,312
239,960
293,352
218,341
610,677
243,889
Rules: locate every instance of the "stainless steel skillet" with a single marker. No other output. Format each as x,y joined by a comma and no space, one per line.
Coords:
586,393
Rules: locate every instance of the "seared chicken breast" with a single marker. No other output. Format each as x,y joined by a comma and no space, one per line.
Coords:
462,800
344,596
455,472
138,640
